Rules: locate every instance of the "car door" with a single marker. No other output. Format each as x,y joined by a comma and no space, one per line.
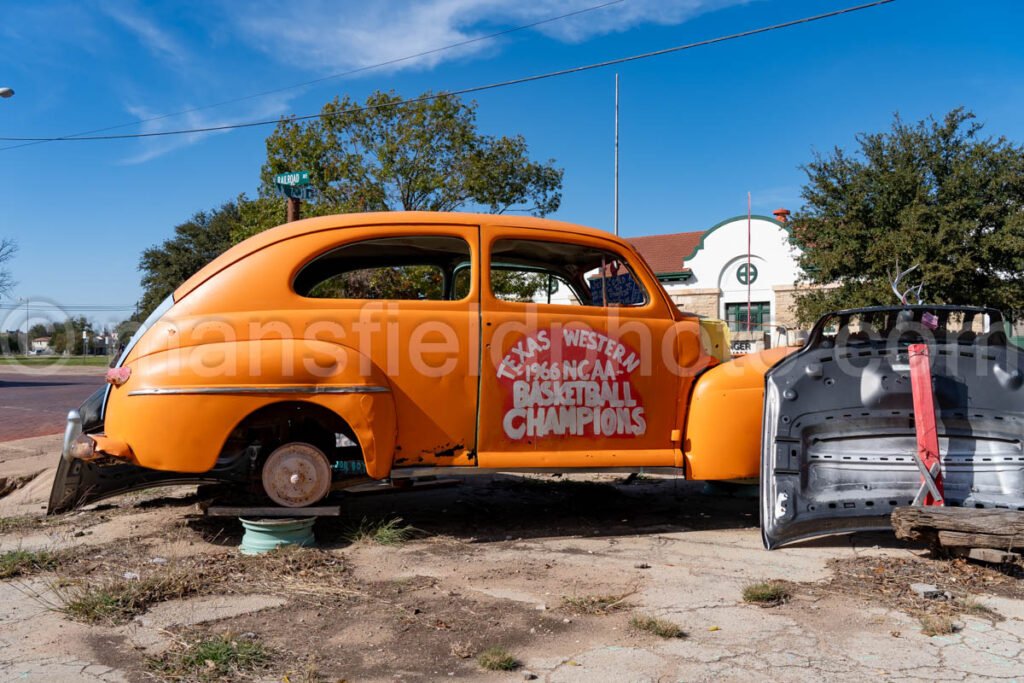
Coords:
392,289
582,370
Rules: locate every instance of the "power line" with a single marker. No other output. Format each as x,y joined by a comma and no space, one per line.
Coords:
370,67
473,89
43,307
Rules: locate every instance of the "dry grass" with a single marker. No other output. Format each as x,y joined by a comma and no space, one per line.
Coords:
22,523
497,659
938,625
658,627
766,593
384,532
23,562
977,608
211,658
594,604
117,600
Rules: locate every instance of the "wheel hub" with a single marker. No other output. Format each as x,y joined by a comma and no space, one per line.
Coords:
296,475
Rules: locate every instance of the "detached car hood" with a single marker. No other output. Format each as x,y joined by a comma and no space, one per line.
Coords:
839,443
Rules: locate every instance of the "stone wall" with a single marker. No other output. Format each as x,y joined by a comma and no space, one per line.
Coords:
785,303
700,301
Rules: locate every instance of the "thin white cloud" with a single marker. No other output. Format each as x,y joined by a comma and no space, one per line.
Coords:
327,35
155,147
155,39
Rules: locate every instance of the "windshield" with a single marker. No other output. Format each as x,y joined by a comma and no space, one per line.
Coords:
157,313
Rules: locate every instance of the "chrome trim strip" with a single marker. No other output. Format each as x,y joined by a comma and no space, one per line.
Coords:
298,389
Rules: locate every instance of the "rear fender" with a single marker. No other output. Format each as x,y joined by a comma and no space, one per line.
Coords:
178,408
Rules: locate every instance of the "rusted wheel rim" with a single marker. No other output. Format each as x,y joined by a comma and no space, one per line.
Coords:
296,475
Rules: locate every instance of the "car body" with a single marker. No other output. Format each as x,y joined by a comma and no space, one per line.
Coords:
411,382
333,350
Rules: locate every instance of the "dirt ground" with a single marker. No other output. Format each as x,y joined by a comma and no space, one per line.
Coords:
494,561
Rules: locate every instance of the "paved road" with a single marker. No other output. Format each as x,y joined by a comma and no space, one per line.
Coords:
34,405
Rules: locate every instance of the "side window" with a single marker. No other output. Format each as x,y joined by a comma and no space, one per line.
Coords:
535,271
417,267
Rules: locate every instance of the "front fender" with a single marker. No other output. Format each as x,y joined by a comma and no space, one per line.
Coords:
723,422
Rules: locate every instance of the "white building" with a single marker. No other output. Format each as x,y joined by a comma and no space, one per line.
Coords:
706,272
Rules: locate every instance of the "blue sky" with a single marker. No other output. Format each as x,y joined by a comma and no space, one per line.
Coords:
698,129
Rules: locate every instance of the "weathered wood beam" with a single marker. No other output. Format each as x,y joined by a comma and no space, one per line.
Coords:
961,527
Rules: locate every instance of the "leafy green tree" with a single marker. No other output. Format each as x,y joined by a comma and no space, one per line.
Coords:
424,155
263,213
196,242
67,337
937,194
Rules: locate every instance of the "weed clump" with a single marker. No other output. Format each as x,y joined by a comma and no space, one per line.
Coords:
594,604
766,593
497,659
384,532
211,658
116,601
22,562
658,627
938,625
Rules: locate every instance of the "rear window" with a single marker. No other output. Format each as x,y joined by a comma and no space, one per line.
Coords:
420,267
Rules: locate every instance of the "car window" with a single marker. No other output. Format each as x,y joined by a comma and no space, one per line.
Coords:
560,273
416,267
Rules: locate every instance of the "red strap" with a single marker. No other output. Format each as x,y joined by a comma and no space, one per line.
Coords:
924,418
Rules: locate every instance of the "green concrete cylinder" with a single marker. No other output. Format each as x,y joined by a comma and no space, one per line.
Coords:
263,535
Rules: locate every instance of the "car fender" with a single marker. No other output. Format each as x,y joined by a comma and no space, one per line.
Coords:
179,406
722,439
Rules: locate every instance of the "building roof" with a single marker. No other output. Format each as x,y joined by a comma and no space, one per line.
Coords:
665,253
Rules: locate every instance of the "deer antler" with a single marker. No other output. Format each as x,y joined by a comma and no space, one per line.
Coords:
902,296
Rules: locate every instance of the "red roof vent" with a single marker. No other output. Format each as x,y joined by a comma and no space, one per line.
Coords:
781,215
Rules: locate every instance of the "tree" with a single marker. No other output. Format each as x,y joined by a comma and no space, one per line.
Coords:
67,338
8,248
196,242
424,155
935,194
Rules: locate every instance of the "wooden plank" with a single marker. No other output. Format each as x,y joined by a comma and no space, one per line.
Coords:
992,556
961,527
272,511
961,539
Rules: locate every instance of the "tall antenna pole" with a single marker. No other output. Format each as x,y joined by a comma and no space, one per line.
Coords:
748,263
616,191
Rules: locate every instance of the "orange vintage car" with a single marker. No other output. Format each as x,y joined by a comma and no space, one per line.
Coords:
290,357
385,345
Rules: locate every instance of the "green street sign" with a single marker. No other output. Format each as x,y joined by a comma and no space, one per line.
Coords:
292,179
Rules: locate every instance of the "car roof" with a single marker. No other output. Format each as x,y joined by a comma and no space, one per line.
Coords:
307,226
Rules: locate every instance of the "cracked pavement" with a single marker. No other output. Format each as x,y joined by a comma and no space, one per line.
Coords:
680,554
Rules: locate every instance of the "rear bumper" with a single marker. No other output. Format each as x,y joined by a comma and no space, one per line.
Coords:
83,480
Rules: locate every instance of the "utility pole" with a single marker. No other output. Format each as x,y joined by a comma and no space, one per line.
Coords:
616,190
293,211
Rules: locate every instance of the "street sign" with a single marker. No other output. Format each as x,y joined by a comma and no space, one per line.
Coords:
292,179
295,192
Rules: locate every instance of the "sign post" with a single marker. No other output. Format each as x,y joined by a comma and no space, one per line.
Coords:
294,185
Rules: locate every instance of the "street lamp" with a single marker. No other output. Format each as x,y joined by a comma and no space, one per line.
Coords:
6,92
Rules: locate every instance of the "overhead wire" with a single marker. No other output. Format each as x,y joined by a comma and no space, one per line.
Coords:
343,74
465,91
